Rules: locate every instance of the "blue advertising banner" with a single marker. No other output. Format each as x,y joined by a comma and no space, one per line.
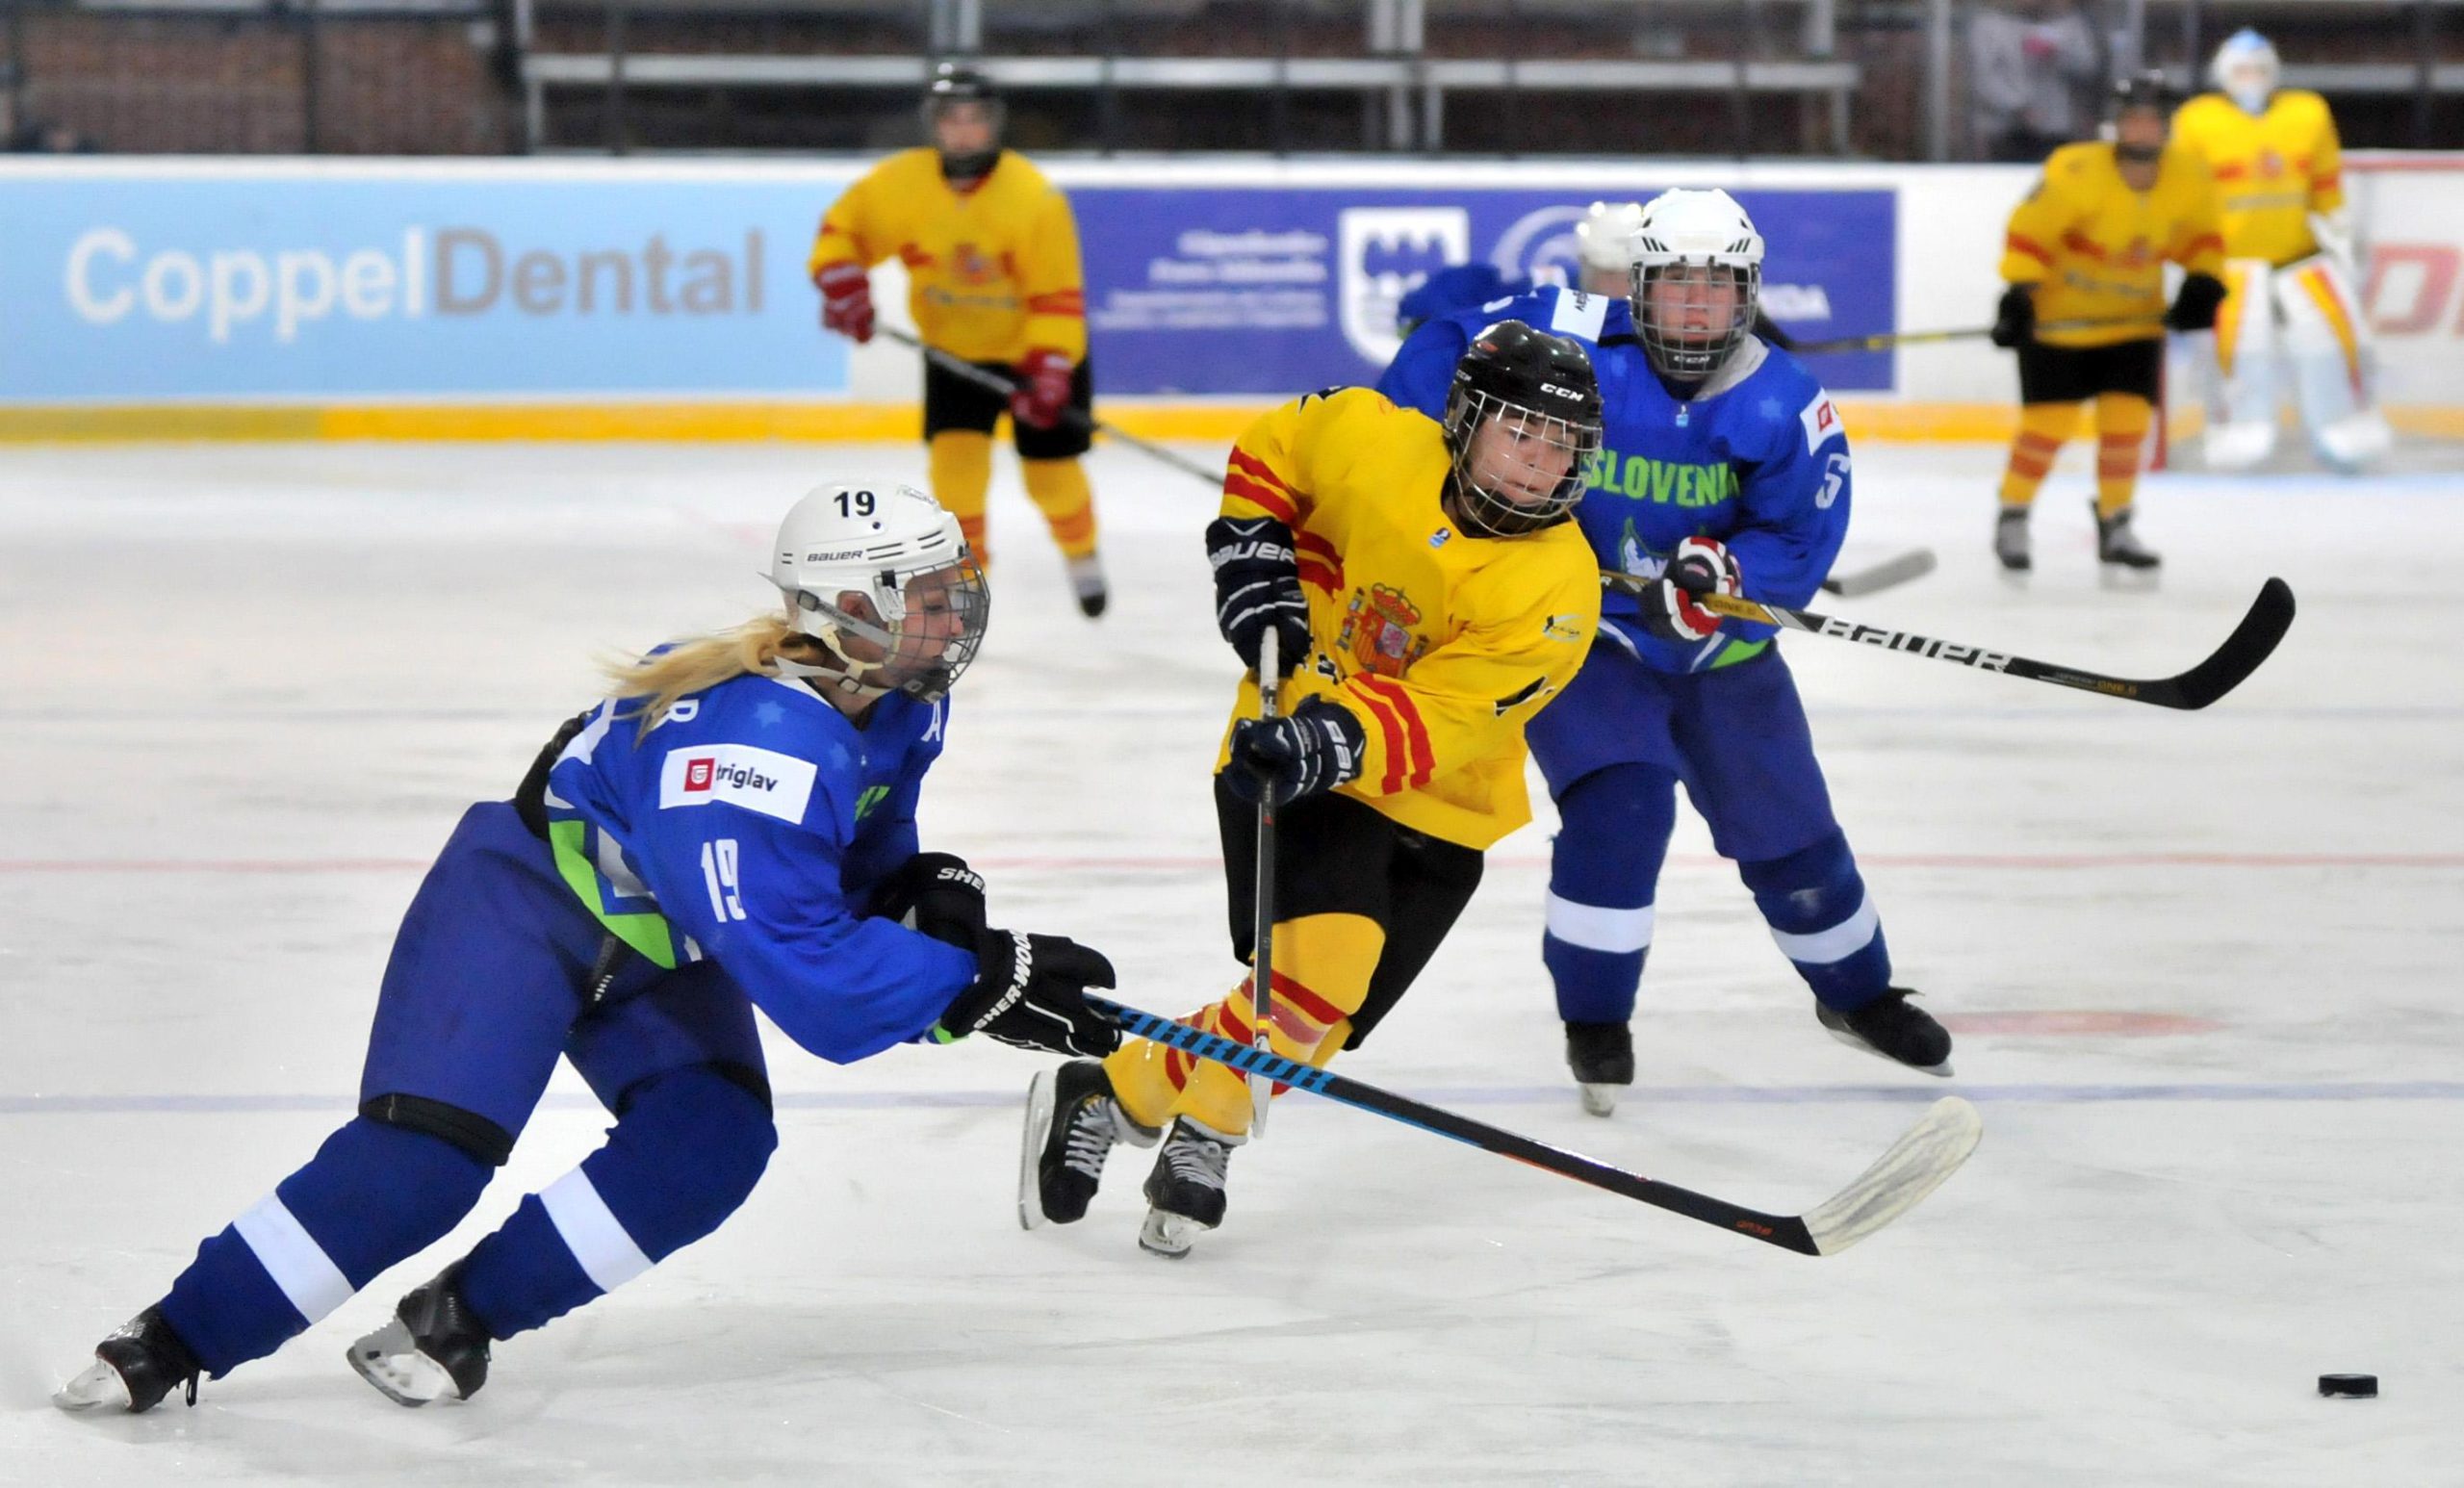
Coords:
136,287
1268,289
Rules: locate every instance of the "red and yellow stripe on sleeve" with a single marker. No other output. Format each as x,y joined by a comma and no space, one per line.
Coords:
1400,755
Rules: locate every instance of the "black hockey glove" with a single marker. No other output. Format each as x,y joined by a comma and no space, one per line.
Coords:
2014,321
1670,608
1318,748
2195,303
1030,991
1257,585
936,893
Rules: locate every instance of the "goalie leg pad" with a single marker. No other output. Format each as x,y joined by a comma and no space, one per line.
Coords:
2326,343
2241,428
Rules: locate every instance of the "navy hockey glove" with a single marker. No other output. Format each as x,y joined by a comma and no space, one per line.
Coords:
2195,303
1257,587
1671,609
1318,748
2014,321
936,893
1030,991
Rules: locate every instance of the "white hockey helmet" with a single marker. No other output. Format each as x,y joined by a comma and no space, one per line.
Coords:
2246,70
1604,240
1706,247
924,598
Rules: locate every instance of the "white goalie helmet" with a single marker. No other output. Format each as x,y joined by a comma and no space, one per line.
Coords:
1705,255
1604,239
2246,70
923,597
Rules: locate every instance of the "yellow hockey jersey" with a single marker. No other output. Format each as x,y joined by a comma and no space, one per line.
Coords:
2097,250
992,272
2272,171
1441,644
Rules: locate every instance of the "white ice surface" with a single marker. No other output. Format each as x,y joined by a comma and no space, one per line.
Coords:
247,690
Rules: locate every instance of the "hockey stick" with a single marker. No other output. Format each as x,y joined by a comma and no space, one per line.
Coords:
1913,1167
2251,643
994,382
1885,340
1875,577
1262,902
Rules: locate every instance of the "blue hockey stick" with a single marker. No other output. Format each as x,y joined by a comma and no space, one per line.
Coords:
1913,1167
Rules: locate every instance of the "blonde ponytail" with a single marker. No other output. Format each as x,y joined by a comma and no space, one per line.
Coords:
704,662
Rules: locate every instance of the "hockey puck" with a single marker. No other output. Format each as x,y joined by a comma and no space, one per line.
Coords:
2359,1387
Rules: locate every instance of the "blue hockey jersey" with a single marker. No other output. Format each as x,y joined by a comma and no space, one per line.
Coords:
751,826
1757,459
1453,290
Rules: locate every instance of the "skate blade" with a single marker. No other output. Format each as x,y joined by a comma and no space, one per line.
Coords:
1042,1094
1167,1235
99,1387
1940,1071
388,1360
1599,1100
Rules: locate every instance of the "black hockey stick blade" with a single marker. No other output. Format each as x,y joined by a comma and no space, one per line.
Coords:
2250,644
1874,578
1914,1165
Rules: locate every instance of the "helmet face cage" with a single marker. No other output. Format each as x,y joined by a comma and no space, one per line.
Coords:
1495,513
1691,356
927,622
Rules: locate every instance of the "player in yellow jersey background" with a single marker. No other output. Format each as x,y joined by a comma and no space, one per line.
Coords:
2085,259
2290,265
991,253
1430,590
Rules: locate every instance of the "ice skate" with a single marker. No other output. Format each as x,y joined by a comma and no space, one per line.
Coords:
433,1349
2119,547
1601,1057
2010,540
1893,1028
133,1368
2353,444
1072,1122
1186,1189
1087,583
2238,444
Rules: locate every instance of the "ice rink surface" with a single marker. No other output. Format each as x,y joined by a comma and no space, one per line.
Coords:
2204,969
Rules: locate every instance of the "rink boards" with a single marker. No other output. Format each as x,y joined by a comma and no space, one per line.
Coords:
668,299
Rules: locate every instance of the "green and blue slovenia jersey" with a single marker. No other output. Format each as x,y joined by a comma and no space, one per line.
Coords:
1756,458
751,826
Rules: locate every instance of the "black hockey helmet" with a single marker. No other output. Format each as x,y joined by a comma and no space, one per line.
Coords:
956,83
2139,92
1542,390
2146,90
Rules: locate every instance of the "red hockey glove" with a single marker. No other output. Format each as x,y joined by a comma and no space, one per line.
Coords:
1670,608
1043,389
846,301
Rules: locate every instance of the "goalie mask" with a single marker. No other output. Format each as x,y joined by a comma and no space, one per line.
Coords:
880,578
1523,423
1695,276
2246,70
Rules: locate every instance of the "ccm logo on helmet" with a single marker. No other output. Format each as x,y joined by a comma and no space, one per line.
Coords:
1566,393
